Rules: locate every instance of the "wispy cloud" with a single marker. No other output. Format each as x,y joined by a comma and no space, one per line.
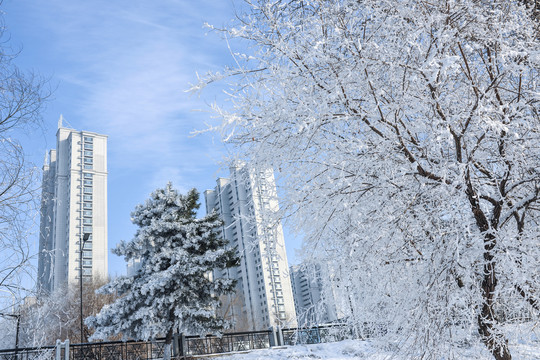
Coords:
122,68
131,61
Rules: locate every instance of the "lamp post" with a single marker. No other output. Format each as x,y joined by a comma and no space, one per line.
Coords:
85,238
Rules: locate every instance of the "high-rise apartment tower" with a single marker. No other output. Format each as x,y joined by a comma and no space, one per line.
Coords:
73,208
247,203
315,294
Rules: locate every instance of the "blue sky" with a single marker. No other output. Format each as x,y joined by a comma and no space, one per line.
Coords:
120,68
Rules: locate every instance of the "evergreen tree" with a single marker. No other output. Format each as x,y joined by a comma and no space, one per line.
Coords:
173,288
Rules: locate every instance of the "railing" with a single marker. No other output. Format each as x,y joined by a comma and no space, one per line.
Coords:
118,350
195,345
42,353
182,347
315,335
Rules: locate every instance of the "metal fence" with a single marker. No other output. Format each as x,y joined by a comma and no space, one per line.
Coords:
118,350
315,335
195,345
183,347
42,353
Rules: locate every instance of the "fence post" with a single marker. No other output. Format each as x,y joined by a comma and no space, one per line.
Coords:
58,350
280,336
175,346
178,344
273,338
66,352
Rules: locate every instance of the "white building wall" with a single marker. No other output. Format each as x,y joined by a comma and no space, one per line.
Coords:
247,202
75,204
315,296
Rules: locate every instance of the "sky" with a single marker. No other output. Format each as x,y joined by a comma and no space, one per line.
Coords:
122,68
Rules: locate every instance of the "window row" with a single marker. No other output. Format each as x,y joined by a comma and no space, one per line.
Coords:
88,160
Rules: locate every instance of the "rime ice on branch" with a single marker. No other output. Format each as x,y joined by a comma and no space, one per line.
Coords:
408,141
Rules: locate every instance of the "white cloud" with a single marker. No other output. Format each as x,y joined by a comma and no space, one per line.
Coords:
122,68
131,61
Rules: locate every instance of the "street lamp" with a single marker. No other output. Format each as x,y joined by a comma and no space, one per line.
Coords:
85,238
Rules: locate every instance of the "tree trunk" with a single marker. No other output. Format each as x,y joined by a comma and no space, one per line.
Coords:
497,345
168,343
495,342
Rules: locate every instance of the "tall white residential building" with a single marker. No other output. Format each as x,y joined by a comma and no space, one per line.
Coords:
315,294
74,203
247,203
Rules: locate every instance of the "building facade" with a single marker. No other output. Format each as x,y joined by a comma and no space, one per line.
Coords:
73,210
315,294
248,205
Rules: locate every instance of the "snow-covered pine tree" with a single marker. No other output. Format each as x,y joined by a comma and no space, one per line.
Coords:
172,289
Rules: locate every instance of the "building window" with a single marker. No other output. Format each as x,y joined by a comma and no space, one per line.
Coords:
87,246
87,197
88,160
87,190
87,166
88,139
87,205
88,147
88,182
87,221
87,213
87,263
87,254
87,272
88,153
88,175
87,229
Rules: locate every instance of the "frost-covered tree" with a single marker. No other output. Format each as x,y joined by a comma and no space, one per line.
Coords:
173,289
410,131
22,99
54,316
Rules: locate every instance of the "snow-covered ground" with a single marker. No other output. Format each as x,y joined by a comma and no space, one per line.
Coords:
362,350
